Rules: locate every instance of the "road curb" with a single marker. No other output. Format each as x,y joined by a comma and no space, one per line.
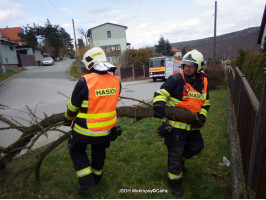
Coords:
8,79
68,69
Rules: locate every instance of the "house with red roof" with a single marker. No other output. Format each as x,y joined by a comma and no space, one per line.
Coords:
10,34
14,53
178,53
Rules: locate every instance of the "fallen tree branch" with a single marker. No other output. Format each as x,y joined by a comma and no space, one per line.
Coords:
31,133
45,153
143,102
172,113
137,113
27,134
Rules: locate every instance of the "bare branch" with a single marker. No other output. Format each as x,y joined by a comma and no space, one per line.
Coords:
143,102
63,94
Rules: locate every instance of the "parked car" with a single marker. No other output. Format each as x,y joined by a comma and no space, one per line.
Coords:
48,61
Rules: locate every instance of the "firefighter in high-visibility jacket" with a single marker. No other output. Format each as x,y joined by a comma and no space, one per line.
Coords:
91,112
187,89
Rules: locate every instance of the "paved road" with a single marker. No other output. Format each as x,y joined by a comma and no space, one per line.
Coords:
38,88
142,90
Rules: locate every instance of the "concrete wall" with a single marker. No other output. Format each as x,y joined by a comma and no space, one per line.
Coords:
8,54
38,55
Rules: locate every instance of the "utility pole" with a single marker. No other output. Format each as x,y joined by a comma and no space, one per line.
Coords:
214,39
74,35
77,56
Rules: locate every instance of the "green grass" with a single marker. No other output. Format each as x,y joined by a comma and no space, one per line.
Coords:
136,160
73,71
8,74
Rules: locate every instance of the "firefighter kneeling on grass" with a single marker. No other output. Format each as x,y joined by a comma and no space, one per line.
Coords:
91,112
187,89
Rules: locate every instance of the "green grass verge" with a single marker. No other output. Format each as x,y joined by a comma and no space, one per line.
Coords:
73,72
136,160
8,74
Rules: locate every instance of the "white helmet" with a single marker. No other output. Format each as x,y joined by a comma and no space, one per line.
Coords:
193,58
95,58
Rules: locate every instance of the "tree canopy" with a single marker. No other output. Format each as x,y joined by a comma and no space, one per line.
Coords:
164,47
80,44
52,39
136,57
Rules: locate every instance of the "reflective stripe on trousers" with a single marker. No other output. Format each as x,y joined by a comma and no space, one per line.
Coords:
97,172
174,176
84,172
181,125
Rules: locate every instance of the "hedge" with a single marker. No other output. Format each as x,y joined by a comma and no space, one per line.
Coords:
252,65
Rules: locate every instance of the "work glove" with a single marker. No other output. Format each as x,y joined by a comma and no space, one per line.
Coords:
200,122
164,129
158,112
67,122
202,119
115,132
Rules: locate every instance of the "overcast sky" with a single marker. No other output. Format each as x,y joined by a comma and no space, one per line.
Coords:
147,20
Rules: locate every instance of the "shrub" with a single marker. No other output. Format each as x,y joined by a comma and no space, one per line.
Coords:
252,68
215,75
251,65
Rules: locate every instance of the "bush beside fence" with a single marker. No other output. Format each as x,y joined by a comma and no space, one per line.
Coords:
250,116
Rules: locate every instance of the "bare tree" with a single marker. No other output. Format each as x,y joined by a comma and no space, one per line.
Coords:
82,32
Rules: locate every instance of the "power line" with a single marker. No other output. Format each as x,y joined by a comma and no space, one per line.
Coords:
58,9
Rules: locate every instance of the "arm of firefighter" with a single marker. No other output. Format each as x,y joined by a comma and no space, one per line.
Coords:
162,96
204,109
120,87
76,99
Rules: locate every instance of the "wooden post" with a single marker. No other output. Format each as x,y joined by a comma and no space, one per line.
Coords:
214,38
133,70
119,71
143,67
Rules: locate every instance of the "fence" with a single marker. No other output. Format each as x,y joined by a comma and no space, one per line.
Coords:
131,72
26,60
250,117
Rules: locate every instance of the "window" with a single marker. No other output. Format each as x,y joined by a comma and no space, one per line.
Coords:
11,48
108,33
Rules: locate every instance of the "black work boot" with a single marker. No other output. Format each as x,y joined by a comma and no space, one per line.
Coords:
176,191
176,187
85,189
97,178
86,184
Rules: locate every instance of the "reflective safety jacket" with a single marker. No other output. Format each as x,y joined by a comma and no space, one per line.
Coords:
93,104
181,91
